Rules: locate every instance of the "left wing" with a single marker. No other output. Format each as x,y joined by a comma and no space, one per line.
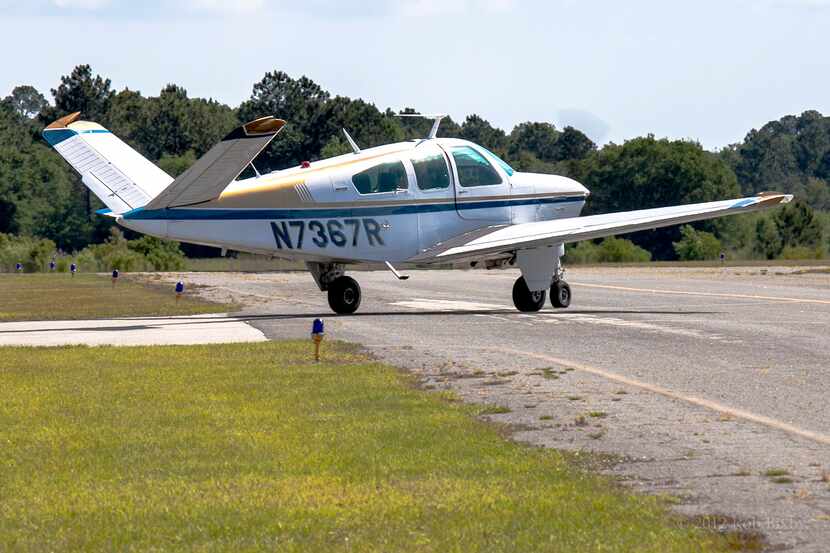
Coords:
504,238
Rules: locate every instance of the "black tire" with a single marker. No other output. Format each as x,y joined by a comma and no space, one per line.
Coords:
525,300
560,294
344,295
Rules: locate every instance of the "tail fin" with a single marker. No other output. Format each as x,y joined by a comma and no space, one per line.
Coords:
121,177
213,172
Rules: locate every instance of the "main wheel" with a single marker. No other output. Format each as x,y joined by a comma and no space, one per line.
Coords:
344,295
560,294
524,299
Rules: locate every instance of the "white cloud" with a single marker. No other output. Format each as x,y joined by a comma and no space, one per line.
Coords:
430,8
82,4
227,6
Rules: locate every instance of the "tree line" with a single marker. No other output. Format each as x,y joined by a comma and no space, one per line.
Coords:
41,197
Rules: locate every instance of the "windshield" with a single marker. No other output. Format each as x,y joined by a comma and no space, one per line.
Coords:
503,164
473,168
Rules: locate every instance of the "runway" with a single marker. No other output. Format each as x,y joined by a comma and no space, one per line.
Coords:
698,381
709,386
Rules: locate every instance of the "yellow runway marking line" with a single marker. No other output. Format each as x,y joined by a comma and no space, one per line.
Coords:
707,294
694,400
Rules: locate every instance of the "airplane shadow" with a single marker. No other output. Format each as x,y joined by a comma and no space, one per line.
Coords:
253,318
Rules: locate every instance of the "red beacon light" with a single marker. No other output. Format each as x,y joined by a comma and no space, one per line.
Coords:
305,164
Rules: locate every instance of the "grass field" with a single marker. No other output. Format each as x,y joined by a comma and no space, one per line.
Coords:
252,447
258,263
30,297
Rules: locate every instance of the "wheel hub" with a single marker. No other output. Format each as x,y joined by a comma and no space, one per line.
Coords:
348,296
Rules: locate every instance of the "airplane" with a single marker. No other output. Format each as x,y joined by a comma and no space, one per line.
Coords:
421,203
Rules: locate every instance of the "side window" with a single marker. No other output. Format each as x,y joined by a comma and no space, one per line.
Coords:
473,168
386,177
431,170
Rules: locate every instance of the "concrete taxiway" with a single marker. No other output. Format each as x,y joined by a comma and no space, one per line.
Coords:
147,331
707,385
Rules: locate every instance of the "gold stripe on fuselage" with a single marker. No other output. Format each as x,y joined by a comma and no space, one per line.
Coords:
283,190
298,175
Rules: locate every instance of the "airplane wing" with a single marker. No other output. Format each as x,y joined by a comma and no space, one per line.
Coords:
215,170
504,238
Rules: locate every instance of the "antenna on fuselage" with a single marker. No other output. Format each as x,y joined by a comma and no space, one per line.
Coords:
352,143
433,132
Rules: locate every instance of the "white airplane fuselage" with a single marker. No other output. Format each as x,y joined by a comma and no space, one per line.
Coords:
318,213
431,202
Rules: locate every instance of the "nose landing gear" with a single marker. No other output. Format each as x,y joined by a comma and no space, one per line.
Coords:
560,294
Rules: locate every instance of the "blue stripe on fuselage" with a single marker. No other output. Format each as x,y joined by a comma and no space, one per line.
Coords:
204,214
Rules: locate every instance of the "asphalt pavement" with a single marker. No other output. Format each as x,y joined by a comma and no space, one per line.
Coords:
706,386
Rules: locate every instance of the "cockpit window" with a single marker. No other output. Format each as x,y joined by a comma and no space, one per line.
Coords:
503,164
386,177
431,171
473,168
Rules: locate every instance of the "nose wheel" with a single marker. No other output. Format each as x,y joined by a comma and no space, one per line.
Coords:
560,294
344,295
525,300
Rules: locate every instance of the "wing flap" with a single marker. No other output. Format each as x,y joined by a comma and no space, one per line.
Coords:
499,239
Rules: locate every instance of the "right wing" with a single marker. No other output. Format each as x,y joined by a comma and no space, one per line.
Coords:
213,172
505,238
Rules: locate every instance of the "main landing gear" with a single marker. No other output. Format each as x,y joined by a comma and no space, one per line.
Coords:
343,291
344,295
529,302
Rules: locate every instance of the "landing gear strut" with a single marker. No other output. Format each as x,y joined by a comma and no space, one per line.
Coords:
525,300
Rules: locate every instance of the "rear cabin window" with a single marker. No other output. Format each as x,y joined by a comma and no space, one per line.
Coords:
473,168
386,177
431,171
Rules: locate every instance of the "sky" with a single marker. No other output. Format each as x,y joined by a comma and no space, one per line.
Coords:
707,70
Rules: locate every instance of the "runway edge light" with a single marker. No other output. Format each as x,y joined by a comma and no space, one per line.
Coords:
317,332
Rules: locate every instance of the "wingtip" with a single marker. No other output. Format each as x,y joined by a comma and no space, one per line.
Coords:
774,198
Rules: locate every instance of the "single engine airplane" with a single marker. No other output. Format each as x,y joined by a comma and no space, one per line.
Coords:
433,201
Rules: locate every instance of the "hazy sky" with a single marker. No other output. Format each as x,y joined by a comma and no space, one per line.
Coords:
704,69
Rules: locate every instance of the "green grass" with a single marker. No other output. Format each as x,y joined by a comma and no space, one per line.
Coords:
29,297
493,410
252,447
